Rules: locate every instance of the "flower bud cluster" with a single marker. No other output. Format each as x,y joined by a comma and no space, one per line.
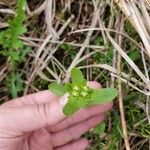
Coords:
82,91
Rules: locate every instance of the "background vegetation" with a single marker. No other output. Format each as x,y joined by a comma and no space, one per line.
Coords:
42,40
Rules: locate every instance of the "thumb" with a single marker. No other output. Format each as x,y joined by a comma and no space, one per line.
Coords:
29,118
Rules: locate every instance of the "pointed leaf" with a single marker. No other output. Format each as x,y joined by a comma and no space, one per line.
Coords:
57,89
76,76
72,106
80,84
82,102
100,128
102,96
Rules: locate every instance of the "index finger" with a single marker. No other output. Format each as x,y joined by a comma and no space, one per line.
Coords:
83,114
36,98
80,116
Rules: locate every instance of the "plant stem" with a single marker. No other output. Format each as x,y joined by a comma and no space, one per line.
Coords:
121,106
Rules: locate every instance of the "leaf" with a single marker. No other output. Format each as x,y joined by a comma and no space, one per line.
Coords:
72,106
24,53
77,76
68,87
82,102
134,54
14,84
100,128
57,89
80,84
9,38
101,96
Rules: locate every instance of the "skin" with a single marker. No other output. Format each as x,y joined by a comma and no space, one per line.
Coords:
36,122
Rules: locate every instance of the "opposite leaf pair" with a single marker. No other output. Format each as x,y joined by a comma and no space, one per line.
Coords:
80,95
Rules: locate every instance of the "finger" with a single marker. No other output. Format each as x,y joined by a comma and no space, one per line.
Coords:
37,98
94,84
28,118
41,140
80,116
80,144
40,97
74,132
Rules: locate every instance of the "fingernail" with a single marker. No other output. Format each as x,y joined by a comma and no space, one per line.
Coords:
64,99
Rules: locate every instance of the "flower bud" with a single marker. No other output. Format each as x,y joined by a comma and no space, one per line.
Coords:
75,88
83,93
74,93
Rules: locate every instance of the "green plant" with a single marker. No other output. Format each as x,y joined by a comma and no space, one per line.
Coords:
145,130
115,134
80,95
9,39
100,128
14,84
13,49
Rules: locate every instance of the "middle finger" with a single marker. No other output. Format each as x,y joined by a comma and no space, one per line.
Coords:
74,132
82,115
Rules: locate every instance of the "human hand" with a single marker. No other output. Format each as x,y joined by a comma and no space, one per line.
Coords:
36,122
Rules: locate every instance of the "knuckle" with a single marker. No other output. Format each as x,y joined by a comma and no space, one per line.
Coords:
41,111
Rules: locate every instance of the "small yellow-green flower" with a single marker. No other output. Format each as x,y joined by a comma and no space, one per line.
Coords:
80,95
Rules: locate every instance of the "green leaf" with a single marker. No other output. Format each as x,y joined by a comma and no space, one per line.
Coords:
68,87
80,84
77,76
72,106
14,84
100,128
24,53
82,102
101,96
134,54
57,89
9,38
